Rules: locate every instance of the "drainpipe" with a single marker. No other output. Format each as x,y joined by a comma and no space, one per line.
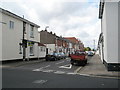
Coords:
23,41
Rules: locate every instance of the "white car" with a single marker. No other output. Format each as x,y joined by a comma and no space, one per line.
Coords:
90,53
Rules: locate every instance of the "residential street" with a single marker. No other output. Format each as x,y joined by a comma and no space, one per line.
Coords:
52,74
59,44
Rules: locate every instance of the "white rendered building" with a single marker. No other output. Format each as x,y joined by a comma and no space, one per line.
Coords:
109,40
20,37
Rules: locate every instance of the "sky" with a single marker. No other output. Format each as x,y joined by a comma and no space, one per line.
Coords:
66,18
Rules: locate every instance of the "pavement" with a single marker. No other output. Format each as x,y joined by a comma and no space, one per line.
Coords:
95,67
18,63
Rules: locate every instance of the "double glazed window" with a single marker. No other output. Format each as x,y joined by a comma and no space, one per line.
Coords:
11,25
31,31
42,49
31,44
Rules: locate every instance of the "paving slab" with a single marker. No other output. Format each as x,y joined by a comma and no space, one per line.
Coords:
97,68
16,63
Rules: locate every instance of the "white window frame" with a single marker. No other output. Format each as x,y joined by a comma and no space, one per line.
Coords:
31,46
11,25
31,31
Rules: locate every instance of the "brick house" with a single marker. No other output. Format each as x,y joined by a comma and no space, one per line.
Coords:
53,42
76,44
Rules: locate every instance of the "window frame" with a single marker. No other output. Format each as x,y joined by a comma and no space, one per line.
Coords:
11,24
31,31
31,46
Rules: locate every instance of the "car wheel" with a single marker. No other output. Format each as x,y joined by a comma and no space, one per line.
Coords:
55,59
72,62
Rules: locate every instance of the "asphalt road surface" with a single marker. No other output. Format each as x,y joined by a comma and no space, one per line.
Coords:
52,74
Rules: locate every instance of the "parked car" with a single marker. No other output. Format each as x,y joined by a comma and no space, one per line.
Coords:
63,56
79,58
52,56
90,53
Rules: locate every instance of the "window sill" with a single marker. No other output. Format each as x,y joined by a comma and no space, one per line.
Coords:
32,55
31,37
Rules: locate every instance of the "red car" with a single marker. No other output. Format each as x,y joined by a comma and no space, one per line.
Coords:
79,58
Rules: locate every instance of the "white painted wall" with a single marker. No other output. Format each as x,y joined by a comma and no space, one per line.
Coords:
36,39
0,36
51,47
36,34
42,53
110,32
11,38
119,32
104,30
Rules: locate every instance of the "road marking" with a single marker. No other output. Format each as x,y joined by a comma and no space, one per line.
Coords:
59,72
40,81
36,70
71,73
78,69
83,74
48,71
39,69
69,66
60,62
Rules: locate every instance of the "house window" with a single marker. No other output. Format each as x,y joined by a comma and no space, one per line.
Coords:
11,25
20,48
24,27
44,49
41,49
31,44
32,31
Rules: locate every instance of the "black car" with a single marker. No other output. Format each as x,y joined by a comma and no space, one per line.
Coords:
52,56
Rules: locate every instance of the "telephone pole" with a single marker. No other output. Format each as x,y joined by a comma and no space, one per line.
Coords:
94,43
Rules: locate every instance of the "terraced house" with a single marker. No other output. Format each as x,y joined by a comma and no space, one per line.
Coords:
20,37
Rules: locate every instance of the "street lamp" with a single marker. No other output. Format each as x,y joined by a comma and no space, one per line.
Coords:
94,43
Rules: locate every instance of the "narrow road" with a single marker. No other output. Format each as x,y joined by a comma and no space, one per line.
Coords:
52,74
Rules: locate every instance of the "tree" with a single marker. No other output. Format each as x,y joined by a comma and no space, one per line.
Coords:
87,49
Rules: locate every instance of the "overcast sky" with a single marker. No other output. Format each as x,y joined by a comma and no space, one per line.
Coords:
67,18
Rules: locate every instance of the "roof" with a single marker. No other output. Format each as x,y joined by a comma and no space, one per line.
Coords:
40,44
17,17
73,39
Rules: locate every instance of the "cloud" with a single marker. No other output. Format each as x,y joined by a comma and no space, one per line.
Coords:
67,18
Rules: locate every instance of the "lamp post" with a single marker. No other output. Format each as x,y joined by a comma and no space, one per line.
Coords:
94,43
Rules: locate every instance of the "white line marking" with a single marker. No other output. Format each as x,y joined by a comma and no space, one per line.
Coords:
83,74
60,62
78,69
72,73
48,71
69,66
59,72
40,81
39,69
